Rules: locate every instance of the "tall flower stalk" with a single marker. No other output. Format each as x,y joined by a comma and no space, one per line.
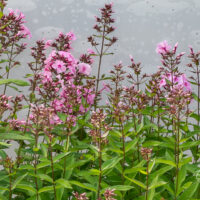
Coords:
99,126
104,28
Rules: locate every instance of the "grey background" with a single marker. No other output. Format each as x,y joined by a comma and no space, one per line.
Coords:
140,25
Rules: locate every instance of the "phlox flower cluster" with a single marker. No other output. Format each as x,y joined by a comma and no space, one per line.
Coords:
179,80
61,80
4,104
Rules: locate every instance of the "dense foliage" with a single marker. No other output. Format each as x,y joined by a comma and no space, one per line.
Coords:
142,144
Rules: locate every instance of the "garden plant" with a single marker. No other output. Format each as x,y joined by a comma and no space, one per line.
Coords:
125,135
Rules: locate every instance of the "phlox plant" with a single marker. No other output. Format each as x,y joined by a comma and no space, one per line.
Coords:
142,144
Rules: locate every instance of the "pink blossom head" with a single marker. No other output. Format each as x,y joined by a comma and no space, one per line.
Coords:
84,68
59,66
163,48
48,43
71,36
25,32
90,51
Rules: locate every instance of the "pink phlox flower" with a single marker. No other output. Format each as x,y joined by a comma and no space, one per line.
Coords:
81,108
17,13
48,43
55,120
90,99
61,81
177,80
58,105
163,47
59,66
162,82
105,87
90,51
132,60
175,47
84,69
47,75
25,32
65,54
71,36
184,82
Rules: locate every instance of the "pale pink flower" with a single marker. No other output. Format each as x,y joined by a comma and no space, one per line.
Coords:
163,47
59,66
90,51
162,82
84,68
177,80
184,82
48,43
71,36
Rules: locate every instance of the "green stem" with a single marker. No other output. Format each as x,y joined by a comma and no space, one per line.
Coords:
177,157
147,178
99,67
52,169
10,184
35,171
100,166
65,158
9,66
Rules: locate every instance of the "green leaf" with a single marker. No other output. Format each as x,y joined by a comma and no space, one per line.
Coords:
45,177
14,136
168,162
5,144
162,171
190,144
157,184
137,168
128,126
85,186
64,183
59,193
152,143
119,188
151,194
181,177
58,157
131,145
142,185
14,81
151,165
110,163
45,189
43,164
18,180
188,193
29,188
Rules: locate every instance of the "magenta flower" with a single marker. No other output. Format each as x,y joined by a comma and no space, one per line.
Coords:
47,75
84,68
71,36
17,13
90,99
163,48
177,80
59,66
25,32
184,82
48,43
